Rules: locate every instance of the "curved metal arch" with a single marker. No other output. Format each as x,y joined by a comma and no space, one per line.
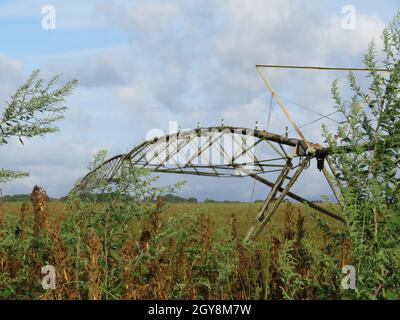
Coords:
212,151
258,152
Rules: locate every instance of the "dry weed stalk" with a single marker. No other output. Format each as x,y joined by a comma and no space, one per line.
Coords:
59,254
299,253
154,217
234,233
289,230
239,281
163,279
205,235
260,281
63,268
183,269
39,200
145,240
345,253
92,267
127,255
22,221
275,282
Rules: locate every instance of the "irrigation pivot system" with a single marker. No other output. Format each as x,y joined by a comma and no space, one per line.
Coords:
226,151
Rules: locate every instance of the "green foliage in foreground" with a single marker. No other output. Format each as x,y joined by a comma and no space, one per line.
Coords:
370,181
32,111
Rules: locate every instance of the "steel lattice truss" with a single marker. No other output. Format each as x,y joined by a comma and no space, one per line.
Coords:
218,152
232,152
213,151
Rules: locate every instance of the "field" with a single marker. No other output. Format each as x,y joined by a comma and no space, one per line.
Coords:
164,250
220,215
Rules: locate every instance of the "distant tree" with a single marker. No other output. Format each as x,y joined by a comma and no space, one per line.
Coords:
173,198
192,200
32,111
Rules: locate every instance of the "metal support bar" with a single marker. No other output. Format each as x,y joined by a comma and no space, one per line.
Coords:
320,68
338,184
278,184
300,199
270,206
331,182
280,104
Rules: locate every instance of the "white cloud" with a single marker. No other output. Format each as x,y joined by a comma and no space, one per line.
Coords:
333,39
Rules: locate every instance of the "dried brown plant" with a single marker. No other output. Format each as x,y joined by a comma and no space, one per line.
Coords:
39,200
93,268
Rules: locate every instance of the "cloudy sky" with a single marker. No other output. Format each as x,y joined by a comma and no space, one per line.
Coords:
141,64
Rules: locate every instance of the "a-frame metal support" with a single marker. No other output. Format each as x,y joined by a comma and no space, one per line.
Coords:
272,202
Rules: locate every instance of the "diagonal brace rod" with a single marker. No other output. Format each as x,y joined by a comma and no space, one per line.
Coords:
270,207
300,199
